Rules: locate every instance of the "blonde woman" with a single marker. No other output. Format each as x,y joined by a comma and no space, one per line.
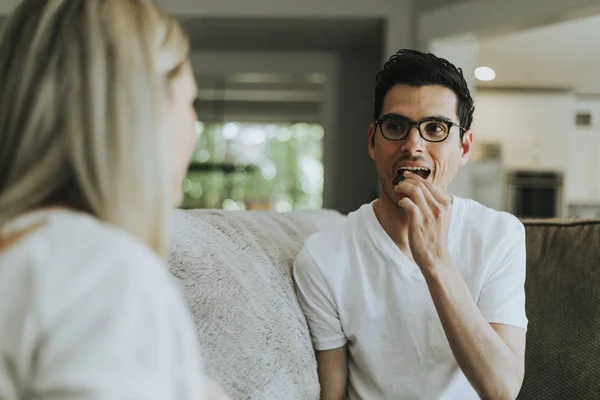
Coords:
97,123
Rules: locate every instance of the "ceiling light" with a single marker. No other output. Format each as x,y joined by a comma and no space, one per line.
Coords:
485,74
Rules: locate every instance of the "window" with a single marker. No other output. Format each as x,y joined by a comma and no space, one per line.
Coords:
250,166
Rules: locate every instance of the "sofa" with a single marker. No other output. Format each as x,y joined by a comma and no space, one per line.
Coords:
234,268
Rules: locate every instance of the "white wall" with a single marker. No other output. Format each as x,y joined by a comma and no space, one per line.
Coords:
532,127
493,17
583,177
282,8
538,132
398,14
428,5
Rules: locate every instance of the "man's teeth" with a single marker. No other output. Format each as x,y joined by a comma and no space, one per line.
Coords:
413,169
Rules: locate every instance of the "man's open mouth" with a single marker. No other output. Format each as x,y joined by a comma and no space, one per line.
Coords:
421,171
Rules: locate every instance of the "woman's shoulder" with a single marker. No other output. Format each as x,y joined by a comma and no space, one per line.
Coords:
74,247
74,258
80,232
101,295
77,239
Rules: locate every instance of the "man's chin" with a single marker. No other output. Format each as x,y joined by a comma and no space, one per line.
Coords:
393,197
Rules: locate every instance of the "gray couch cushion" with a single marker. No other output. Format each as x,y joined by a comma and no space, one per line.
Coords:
235,272
563,306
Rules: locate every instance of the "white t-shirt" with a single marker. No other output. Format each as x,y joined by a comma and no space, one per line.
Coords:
356,287
87,311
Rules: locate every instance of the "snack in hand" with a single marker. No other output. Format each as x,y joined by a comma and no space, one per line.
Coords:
399,177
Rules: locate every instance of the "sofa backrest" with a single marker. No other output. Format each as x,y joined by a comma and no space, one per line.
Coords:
563,307
235,272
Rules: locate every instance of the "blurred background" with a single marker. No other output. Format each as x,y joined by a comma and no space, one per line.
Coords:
286,91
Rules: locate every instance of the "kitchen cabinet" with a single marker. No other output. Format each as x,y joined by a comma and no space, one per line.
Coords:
533,128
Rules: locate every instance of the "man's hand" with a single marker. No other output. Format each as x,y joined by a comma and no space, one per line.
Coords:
490,356
429,213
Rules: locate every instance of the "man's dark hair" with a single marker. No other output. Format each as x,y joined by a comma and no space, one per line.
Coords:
414,68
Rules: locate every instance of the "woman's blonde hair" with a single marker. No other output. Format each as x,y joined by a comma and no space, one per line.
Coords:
83,93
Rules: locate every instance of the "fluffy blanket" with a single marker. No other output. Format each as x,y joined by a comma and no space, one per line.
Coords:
234,268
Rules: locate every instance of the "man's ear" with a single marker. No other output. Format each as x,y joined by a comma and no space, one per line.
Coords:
466,146
371,137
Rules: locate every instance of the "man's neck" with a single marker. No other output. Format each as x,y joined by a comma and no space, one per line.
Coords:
394,221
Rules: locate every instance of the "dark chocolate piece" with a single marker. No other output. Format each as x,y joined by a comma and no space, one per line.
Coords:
399,178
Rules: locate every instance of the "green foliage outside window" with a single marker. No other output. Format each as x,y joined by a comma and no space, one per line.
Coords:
256,166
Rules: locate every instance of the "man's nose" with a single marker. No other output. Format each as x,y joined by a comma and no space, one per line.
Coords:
414,143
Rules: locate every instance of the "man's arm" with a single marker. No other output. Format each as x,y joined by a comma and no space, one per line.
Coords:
320,310
332,366
492,356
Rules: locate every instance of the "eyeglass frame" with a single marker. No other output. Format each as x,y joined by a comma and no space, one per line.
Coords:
417,124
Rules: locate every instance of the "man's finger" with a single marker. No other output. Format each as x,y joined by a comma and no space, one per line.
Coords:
415,216
439,196
426,192
415,191
408,205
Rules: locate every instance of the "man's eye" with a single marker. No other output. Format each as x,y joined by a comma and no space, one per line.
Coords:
435,127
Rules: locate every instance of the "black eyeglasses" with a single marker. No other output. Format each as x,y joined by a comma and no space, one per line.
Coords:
432,129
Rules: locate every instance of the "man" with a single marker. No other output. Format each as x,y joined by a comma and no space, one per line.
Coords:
420,294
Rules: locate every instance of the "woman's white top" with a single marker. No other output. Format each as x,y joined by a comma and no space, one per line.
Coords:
87,311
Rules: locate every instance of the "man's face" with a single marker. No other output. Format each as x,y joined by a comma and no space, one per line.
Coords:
442,159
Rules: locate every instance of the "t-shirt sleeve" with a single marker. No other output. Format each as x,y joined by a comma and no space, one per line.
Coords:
502,298
118,330
318,304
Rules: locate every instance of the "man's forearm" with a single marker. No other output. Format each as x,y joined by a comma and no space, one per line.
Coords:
489,364
332,367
